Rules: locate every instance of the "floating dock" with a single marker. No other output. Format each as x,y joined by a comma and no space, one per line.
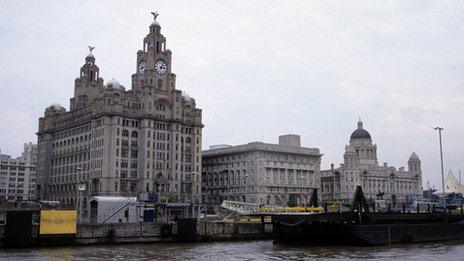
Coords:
360,226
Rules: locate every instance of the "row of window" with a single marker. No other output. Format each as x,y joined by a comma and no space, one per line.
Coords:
73,132
70,159
70,178
4,167
13,162
237,157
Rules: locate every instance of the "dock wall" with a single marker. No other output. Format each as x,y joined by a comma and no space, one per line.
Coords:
217,231
118,233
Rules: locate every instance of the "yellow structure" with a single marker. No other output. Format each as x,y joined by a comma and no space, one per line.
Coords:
272,209
55,222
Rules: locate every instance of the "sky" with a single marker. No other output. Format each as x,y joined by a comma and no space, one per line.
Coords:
258,69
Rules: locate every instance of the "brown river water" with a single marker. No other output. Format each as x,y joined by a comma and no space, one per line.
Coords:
249,250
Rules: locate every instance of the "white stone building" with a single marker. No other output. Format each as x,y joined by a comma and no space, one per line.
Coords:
17,175
120,142
263,173
361,167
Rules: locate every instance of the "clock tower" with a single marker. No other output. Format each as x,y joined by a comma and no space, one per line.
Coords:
124,142
154,62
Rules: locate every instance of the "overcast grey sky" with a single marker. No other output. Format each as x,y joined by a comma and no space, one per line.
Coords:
258,69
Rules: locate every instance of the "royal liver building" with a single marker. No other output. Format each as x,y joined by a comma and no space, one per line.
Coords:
122,142
361,168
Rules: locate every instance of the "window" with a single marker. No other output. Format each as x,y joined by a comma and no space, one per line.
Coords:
134,134
134,153
124,164
160,107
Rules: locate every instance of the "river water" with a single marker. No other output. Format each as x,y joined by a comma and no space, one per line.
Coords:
249,250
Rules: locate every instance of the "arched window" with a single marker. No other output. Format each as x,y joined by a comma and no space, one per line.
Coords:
125,133
134,134
188,140
160,107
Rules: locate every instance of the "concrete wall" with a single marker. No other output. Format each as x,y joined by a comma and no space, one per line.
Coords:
216,231
121,233
160,232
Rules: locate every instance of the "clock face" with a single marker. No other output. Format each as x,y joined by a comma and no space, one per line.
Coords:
161,67
142,67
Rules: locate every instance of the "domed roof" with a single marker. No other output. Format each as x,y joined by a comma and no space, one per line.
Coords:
414,156
186,96
114,84
90,55
56,106
155,15
155,23
360,133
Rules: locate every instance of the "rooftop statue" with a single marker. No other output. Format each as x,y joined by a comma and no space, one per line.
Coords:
90,48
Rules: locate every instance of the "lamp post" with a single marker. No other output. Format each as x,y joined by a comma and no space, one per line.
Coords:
439,129
80,188
460,184
192,189
430,191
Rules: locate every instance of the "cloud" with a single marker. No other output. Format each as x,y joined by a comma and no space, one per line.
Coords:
16,126
259,69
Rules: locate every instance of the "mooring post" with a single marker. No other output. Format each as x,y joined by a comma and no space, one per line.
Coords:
389,207
325,207
373,207
428,208
418,209
389,236
263,226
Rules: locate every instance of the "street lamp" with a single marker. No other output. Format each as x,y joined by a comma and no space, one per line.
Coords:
80,188
430,191
439,129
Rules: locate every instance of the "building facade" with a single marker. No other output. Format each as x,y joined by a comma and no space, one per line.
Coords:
361,167
262,173
18,175
118,142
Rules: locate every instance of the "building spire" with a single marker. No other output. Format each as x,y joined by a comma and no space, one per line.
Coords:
360,123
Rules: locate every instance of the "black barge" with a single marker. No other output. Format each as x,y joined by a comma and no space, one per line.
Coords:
360,226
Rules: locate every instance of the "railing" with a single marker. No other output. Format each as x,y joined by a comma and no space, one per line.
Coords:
116,208
240,207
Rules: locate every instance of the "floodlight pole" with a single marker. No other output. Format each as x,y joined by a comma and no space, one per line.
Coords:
442,171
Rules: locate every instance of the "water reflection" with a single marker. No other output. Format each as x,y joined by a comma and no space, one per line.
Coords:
250,250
